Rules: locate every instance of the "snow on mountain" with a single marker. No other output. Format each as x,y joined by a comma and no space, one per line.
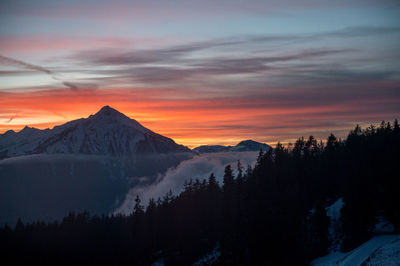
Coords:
250,145
379,250
89,163
14,144
245,145
108,132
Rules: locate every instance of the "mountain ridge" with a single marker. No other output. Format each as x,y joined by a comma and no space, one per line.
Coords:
107,132
244,145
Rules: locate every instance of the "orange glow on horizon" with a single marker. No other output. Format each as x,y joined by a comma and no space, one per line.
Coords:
191,122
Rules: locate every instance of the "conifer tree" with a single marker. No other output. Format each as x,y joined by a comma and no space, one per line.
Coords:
138,209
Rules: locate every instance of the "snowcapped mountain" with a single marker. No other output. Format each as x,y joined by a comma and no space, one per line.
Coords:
245,145
85,164
108,132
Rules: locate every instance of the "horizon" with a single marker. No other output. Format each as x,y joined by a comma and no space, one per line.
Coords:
287,144
203,73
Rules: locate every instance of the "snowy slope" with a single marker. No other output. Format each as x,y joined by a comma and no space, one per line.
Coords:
108,132
13,144
387,255
86,164
379,250
210,258
333,212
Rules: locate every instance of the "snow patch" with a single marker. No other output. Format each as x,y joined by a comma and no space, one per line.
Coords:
379,250
209,258
159,262
333,212
383,226
387,255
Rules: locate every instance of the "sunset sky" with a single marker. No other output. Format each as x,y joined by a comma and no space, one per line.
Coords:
203,72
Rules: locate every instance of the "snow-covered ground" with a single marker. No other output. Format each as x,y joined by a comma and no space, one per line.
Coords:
379,250
387,255
333,212
209,258
383,226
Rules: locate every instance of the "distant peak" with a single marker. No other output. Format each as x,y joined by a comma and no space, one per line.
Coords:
9,132
28,129
107,110
247,141
105,107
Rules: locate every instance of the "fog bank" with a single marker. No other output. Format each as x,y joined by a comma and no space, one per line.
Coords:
200,166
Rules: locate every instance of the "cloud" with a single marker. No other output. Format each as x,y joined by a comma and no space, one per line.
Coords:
44,43
180,53
55,76
8,60
201,166
343,33
360,31
172,67
161,11
138,56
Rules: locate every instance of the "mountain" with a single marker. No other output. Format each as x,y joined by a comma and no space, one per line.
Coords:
108,132
245,145
212,148
85,164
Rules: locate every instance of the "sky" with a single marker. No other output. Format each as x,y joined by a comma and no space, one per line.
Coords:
203,72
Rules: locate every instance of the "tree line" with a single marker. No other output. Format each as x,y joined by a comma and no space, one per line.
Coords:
272,214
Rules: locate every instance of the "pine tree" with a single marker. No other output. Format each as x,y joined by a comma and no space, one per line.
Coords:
228,179
396,126
212,182
249,171
19,227
138,209
152,206
239,177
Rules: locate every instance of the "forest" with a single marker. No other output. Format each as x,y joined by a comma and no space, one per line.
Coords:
271,214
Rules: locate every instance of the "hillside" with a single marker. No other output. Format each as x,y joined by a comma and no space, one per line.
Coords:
278,212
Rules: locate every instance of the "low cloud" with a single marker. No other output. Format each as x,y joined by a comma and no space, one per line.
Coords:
200,166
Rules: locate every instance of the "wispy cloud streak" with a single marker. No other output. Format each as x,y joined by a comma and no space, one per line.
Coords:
55,76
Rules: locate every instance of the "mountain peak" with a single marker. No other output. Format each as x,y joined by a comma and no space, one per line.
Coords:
27,130
107,110
107,113
247,142
250,145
